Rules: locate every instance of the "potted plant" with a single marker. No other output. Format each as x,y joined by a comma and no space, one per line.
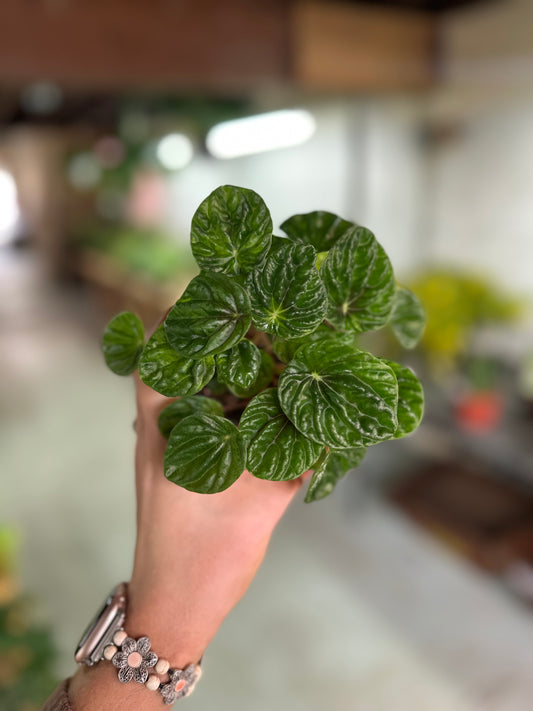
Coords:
261,349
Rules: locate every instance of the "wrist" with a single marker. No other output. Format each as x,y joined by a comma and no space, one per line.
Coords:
174,631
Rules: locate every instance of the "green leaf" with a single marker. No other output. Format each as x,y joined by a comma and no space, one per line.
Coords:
169,372
240,366
359,282
287,295
339,397
276,450
410,399
205,454
286,348
123,342
342,460
182,408
320,229
212,316
231,231
331,467
322,482
407,318
264,378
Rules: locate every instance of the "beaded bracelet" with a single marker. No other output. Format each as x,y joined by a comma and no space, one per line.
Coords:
133,659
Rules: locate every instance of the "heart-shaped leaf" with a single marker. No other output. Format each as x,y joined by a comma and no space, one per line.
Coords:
123,342
410,399
212,316
231,231
320,229
182,408
359,282
205,454
287,294
169,372
339,397
276,450
264,378
407,318
240,365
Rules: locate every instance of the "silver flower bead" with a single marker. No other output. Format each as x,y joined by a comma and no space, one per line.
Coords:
134,659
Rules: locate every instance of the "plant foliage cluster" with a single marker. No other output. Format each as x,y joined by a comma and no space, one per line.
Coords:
261,349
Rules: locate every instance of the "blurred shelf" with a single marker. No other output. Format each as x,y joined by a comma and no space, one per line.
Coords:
116,288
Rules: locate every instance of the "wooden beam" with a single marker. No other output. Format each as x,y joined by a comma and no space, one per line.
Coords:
204,45
346,47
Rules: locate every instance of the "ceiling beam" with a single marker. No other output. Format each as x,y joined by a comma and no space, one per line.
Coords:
350,47
203,45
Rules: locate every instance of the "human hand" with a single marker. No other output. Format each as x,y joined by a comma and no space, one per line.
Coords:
196,554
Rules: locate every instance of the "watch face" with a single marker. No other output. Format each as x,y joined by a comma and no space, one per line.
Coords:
100,631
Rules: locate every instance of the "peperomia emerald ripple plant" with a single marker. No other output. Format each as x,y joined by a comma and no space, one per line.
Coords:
261,350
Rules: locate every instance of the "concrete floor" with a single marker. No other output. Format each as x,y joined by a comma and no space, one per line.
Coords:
354,608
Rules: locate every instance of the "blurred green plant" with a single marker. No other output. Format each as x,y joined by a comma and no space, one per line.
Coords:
456,304
27,651
147,252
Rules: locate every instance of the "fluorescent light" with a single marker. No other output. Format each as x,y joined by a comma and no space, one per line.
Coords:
174,151
264,132
9,209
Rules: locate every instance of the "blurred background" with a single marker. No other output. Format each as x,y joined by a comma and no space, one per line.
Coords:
411,587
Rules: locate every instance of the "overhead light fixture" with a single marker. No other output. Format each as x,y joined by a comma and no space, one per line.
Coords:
174,151
257,134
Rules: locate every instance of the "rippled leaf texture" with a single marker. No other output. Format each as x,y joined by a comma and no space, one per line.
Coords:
205,454
212,316
276,450
407,318
240,365
231,231
359,282
287,295
286,348
320,229
410,399
322,482
123,342
264,378
339,397
169,372
182,408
